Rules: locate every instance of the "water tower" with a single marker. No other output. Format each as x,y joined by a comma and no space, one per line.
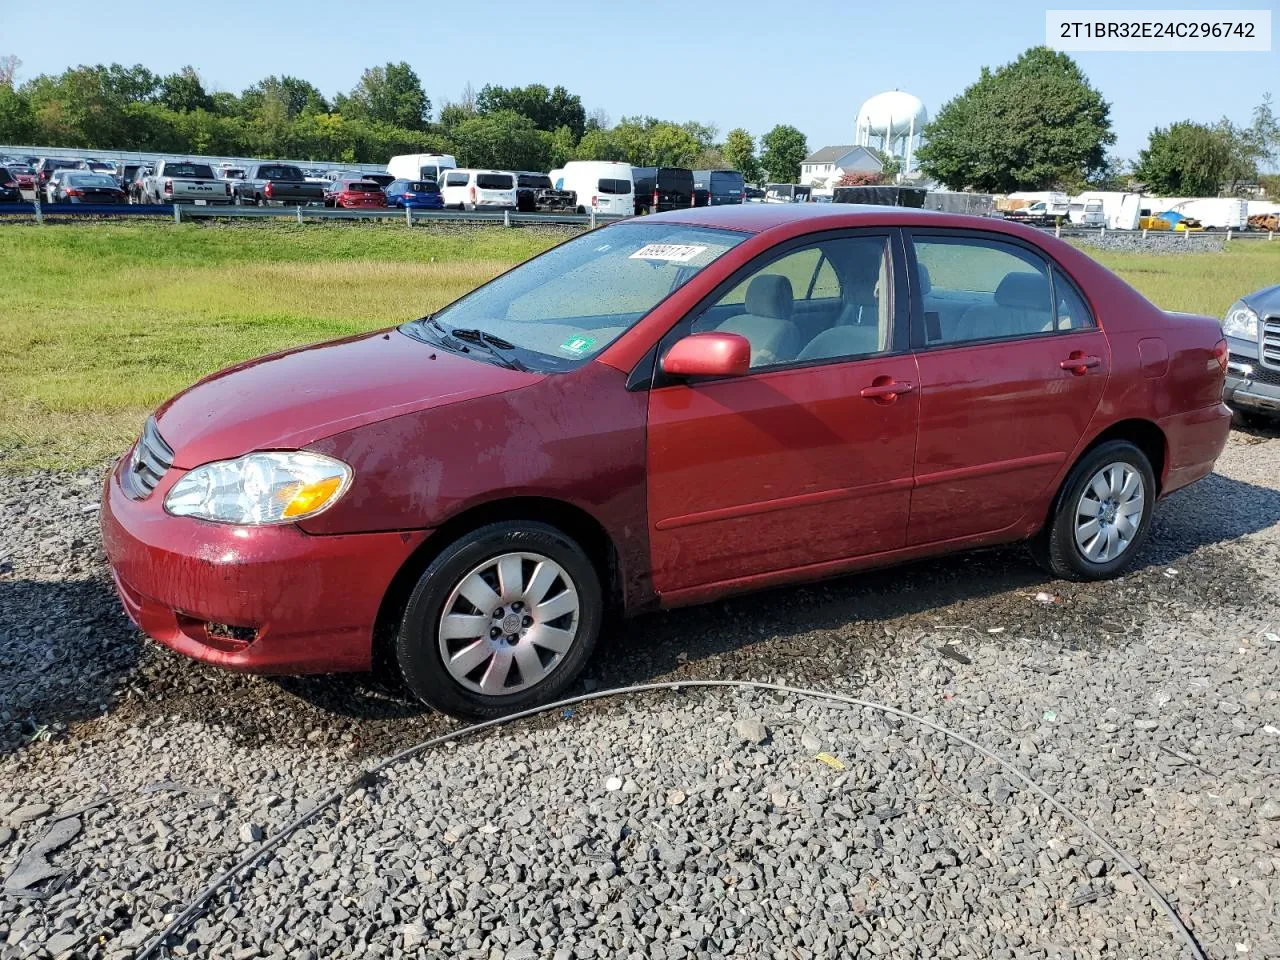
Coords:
891,122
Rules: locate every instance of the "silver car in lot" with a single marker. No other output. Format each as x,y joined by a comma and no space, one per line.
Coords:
1252,329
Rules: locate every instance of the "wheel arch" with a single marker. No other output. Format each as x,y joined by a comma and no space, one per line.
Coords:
567,517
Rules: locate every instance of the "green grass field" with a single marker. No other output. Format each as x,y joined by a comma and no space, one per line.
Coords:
100,323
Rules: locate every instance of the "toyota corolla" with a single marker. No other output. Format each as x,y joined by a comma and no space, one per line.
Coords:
658,413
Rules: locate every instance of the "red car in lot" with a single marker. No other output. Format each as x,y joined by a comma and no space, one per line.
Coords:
660,412
354,194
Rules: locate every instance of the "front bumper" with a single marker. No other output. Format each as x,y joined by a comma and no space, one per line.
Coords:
299,603
1250,386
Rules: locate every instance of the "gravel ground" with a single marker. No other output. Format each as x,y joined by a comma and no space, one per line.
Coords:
700,823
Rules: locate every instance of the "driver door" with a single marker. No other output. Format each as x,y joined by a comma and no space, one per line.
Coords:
806,460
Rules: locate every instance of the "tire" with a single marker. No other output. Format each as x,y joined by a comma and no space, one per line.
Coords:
1061,552
473,559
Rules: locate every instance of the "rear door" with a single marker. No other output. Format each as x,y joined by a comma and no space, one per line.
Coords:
1012,368
808,458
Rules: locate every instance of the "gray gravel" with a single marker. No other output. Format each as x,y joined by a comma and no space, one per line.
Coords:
672,825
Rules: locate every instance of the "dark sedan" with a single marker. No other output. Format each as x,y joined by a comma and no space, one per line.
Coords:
1252,328
9,192
88,187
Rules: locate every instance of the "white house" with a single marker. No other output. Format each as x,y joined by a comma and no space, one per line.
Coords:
823,169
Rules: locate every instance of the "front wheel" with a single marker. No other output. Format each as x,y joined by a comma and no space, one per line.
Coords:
504,618
1101,516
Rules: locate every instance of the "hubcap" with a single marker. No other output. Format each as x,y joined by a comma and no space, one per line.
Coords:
508,623
1109,512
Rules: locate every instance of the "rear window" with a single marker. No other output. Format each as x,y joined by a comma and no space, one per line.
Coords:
424,186
90,180
494,181
5,176
363,186
614,186
726,182
280,173
198,171
669,179
534,181
61,164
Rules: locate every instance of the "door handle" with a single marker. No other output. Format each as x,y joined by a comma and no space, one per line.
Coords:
886,391
1079,364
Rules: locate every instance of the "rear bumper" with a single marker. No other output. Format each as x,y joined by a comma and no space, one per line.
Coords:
302,603
1196,440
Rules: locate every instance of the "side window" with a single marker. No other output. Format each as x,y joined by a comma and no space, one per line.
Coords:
821,302
979,289
1073,313
456,180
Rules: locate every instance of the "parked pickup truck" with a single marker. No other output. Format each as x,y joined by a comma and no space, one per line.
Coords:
181,181
276,185
535,193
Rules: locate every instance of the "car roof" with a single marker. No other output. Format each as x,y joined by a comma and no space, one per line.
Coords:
812,217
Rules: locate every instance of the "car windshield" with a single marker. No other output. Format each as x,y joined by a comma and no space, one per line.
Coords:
562,308
91,180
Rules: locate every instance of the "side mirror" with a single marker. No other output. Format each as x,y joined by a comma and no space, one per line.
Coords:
708,355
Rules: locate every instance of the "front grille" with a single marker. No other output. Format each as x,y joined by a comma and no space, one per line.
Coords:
1260,373
151,458
1269,343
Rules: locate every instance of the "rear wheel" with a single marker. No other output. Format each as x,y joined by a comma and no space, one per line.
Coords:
1101,516
504,618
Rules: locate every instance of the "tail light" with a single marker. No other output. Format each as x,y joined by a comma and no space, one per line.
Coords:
1221,353
593,201
473,194
655,198
267,189
74,192
168,186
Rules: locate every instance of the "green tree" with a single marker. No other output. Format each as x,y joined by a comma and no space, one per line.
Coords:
390,94
599,144
505,140
548,109
783,149
1031,124
184,91
296,96
1185,159
740,153
17,120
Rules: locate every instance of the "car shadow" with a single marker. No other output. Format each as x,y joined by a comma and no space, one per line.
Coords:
66,652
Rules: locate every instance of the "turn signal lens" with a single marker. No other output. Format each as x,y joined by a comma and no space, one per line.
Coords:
1222,354
310,497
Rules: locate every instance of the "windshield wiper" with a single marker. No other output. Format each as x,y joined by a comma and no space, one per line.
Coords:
491,344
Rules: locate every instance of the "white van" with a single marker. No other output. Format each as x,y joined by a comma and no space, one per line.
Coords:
469,189
421,166
601,185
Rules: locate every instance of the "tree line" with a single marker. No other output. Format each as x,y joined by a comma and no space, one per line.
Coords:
115,107
1037,123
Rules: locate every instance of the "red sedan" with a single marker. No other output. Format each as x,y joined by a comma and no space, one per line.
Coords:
660,412
355,194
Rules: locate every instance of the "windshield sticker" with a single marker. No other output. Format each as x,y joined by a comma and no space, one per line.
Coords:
673,252
577,346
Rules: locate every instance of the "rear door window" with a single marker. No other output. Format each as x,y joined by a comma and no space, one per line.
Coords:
617,187
456,180
494,181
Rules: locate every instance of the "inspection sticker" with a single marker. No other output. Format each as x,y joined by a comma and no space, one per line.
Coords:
674,252
578,345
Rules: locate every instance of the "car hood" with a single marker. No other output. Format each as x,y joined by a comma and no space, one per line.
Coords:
287,400
1266,300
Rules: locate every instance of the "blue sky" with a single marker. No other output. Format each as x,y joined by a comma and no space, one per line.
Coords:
748,64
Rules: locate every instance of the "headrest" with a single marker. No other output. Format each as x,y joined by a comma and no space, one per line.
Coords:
1023,291
925,283
769,295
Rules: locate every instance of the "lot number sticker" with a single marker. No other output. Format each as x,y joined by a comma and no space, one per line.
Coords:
673,252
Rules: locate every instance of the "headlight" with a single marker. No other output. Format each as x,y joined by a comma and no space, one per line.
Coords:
260,488
1240,322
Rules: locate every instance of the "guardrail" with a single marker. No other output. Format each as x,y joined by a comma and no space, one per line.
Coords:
183,211
1188,235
